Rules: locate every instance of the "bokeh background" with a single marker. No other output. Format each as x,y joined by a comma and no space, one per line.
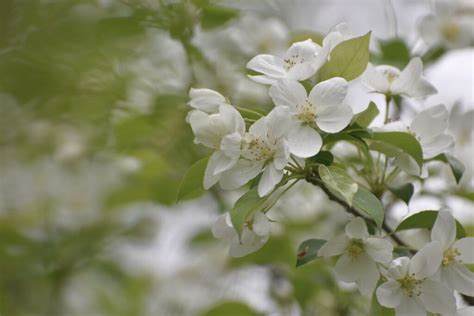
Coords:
94,143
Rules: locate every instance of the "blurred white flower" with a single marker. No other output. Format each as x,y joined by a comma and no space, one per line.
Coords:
389,80
452,26
453,271
302,60
337,34
322,108
254,234
263,147
410,289
360,255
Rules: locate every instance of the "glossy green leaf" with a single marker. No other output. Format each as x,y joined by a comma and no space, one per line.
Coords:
426,220
308,251
456,166
365,202
244,207
323,157
404,192
406,142
339,182
191,184
348,59
366,117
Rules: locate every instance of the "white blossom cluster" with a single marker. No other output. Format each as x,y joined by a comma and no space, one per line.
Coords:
267,149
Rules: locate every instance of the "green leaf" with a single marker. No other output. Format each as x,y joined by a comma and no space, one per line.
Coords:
426,220
348,59
214,16
456,166
339,182
366,117
364,201
230,309
191,184
406,142
404,192
244,207
308,251
394,52
323,157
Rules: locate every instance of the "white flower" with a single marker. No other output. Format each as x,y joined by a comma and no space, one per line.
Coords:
209,130
301,61
322,108
254,234
206,100
450,27
264,146
390,80
409,288
429,127
360,255
452,271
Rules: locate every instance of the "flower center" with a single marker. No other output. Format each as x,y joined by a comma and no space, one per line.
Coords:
356,248
449,256
390,75
306,112
450,31
410,285
293,60
256,149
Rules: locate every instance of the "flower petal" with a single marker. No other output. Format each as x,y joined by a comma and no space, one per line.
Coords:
344,269
459,277
240,174
408,77
304,141
231,144
222,229
421,89
380,250
398,268
328,93
261,224
263,79
282,154
466,248
437,145
270,178
288,93
437,298
334,247
223,163
426,261
249,242
333,119
375,80
357,229
368,275
431,122
444,229
210,176
409,307
269,65
389,294
304,50
206,100
278,122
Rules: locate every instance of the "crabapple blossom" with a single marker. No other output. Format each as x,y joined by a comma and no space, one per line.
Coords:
337,34
254,234
209,130
263,147
322,108
410,288
360,255
389,80
452,271
302,60
206,100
